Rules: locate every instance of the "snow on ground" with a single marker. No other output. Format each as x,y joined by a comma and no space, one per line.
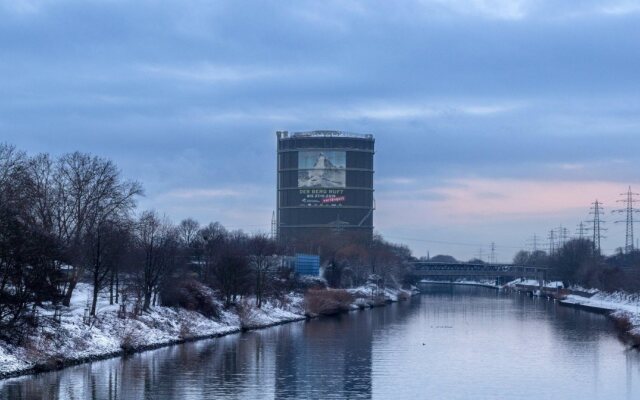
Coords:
365,295
623,305
478,282
578,288
468,282
78,338
534,282
11,359
364,291
634,319
608,301
272,312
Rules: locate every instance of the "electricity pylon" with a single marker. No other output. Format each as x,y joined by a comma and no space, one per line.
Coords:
581,231
628,209
552,241
563,236
274,226
597,211
493,258
533,242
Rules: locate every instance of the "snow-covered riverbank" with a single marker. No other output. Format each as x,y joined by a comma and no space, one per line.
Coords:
623,307
75,339
488,283
617,301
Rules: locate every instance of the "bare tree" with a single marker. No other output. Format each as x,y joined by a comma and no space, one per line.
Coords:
261,250
534,258
568,260
14,294
105,247
389,261
12,162
89,191
188,230
157,240
229,270
212,240
27,253
41,191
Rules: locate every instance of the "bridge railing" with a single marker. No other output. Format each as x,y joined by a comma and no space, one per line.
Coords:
431,268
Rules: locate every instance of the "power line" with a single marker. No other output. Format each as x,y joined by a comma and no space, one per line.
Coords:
467,244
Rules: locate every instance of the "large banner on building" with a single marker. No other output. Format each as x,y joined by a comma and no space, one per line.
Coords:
322,169
322,197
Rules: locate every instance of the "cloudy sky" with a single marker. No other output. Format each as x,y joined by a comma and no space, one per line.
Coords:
494,119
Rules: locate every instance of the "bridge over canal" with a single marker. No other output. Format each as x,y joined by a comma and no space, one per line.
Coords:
502,272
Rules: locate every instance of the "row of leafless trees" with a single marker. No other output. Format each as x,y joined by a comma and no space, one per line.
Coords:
73,218
59,220
231,262
576,262
352,259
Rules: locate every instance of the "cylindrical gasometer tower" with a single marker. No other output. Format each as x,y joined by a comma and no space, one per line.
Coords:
325,184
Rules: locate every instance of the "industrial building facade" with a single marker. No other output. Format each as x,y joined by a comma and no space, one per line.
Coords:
325,183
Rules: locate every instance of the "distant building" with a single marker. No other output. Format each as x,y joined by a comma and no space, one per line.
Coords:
325,183
300,264
307,264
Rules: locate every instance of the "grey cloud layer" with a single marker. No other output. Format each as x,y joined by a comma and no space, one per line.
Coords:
186,95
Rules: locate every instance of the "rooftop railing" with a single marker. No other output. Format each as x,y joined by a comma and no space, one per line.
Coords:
286,135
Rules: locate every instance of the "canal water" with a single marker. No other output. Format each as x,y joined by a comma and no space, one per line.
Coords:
452,342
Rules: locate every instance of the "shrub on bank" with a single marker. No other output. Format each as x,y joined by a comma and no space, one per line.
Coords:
327,302
246,311
403,295
626,328
305,283
191,295
128,343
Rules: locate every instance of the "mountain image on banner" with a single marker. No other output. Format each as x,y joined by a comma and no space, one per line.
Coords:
324,173
322,162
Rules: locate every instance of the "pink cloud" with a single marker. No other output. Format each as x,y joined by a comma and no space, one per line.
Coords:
475,200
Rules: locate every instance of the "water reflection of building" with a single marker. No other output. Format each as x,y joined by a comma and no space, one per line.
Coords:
331,359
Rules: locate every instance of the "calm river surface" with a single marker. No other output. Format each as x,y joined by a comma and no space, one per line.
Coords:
450,343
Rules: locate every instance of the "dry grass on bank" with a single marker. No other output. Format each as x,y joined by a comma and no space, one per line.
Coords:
626,329
327,302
